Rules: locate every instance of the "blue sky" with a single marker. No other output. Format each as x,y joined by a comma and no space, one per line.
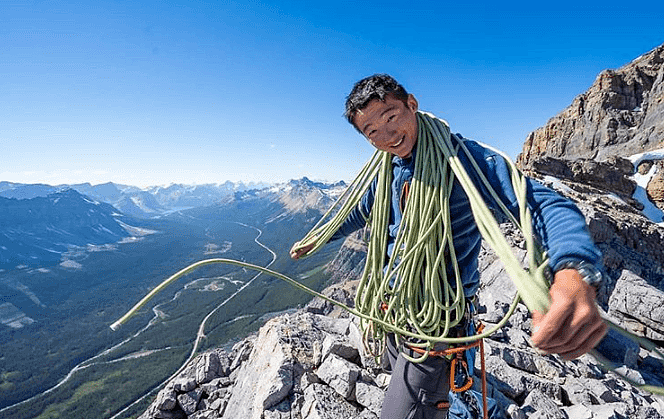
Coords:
153,93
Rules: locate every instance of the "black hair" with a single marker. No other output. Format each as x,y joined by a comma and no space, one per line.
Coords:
373,87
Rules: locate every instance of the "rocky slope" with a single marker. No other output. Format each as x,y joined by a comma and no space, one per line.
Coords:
311,364
621,115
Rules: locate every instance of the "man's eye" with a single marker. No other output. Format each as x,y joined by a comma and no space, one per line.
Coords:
391,117
371,133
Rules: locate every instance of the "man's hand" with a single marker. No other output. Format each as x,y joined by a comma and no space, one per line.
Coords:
296,252
572,326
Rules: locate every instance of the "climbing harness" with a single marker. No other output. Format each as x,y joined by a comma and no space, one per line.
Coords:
410,294
459,366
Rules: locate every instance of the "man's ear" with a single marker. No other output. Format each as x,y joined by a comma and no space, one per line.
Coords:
411,102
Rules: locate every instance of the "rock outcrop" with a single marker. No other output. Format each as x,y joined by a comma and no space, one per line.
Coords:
655,186
620,115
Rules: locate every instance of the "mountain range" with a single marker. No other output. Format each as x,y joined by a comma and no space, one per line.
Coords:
38,223
131,200
37,231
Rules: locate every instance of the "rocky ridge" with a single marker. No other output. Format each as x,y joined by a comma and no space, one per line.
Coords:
621,114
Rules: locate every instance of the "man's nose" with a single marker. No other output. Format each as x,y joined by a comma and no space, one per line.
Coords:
387,134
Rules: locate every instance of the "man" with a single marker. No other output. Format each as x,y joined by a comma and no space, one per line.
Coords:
383,111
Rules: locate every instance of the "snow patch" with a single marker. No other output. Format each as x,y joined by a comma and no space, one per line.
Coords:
650,210
557,184
636,159
135,231
70,264
131,239
90,201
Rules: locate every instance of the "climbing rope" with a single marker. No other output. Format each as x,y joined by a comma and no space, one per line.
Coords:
411,295
412,290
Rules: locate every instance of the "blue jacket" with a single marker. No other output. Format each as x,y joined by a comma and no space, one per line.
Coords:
559,224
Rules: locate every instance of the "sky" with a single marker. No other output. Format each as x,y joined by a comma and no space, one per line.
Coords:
158,92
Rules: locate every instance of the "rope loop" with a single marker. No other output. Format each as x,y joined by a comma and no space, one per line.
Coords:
419,286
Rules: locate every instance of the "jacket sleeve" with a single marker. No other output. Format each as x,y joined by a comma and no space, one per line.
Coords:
360,214
557,221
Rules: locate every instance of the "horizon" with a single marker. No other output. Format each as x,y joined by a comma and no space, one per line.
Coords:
155,94
167,185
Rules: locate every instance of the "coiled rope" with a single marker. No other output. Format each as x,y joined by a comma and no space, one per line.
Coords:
411,295
414,292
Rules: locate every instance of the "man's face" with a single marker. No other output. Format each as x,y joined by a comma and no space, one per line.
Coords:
389,125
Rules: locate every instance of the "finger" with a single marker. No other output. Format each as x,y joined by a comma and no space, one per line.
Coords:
550,327
593,339
585,323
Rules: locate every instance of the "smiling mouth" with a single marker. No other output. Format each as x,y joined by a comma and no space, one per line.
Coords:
398,143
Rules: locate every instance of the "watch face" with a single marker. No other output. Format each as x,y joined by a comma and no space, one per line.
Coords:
591,275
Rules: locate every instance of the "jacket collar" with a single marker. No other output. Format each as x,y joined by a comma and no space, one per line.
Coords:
398,161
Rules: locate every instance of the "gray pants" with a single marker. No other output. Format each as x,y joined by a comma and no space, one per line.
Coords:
415,389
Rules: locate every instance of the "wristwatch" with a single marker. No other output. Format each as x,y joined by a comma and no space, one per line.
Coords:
589,272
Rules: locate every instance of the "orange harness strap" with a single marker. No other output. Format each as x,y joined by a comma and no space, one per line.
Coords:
457,353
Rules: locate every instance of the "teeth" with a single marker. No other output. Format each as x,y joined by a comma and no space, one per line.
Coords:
398,143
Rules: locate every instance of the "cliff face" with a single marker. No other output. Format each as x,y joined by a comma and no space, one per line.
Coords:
621,114
620,117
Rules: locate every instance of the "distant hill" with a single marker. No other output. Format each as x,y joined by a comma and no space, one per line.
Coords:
38,230
26,191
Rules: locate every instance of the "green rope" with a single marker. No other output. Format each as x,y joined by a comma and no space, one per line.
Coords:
606,363
137,307
415,285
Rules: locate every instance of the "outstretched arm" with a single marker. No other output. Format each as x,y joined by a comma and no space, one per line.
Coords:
355,221
573,325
